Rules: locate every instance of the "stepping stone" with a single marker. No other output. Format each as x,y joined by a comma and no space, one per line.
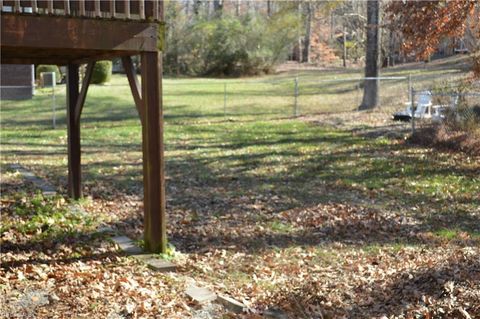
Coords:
275,314
151,260
46,188
155,263
201,295
127,245
231,304
105,230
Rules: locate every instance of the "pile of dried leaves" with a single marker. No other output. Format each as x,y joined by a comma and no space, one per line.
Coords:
327,260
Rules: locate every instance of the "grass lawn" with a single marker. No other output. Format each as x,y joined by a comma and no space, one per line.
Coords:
278,212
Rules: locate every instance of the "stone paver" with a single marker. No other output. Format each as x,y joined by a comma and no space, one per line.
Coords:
127,245
231,304
155,263
201,295
46,188
151,260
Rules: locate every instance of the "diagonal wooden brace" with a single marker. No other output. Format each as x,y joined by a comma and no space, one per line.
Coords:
134,86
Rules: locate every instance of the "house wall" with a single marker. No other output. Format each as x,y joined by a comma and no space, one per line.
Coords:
17,82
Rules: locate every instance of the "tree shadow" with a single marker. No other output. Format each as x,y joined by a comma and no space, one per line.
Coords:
401,293
234,184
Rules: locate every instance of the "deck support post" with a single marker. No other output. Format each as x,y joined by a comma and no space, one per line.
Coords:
155,234
134,86
73,127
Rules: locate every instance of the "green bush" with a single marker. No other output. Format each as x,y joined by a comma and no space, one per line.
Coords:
227,45
49,68
102,72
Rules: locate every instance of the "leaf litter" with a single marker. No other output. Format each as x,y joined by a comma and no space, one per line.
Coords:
329,260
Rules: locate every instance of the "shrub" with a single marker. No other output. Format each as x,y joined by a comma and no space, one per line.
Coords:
102,72
49,68
227,45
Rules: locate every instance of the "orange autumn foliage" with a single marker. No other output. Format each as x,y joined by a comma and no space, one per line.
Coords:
424,24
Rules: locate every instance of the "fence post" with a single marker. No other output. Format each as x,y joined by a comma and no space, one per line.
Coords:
225,99
295,107
359,93
413,108
54,116
410,87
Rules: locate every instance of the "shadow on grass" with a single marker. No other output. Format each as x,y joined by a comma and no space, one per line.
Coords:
226,172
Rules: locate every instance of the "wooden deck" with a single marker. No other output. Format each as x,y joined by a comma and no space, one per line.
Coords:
74,32
147,10
28,39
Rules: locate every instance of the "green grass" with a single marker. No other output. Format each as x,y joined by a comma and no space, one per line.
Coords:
212,160
447,233
455,233
44,218
280,227
258,202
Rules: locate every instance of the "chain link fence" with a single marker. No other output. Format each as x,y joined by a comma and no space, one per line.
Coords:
331,101
455,111
448,117
283,98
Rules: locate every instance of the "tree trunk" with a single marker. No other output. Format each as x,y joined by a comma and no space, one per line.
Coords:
332,26
187,8
269,8
217,8
196,6
299,41
308,33
370,93
344,45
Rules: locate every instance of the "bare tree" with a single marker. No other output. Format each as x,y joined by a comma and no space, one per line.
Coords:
217,7
237,8
308,32
371,87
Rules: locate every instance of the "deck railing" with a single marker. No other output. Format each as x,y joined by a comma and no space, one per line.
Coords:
149,10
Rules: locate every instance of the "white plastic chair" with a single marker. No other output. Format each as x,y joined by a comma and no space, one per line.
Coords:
424,104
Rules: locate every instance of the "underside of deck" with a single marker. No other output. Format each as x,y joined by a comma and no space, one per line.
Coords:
28,39
71,41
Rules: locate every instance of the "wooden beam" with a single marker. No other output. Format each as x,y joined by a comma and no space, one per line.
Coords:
155,11
153,156
16,7
34,6
112,13
141,9
73,128
83,92
81,4
60,60
127,8
66,6
58,57
28,31
134,86
13,60
97,8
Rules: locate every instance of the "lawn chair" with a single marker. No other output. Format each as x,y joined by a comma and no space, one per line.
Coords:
423,108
